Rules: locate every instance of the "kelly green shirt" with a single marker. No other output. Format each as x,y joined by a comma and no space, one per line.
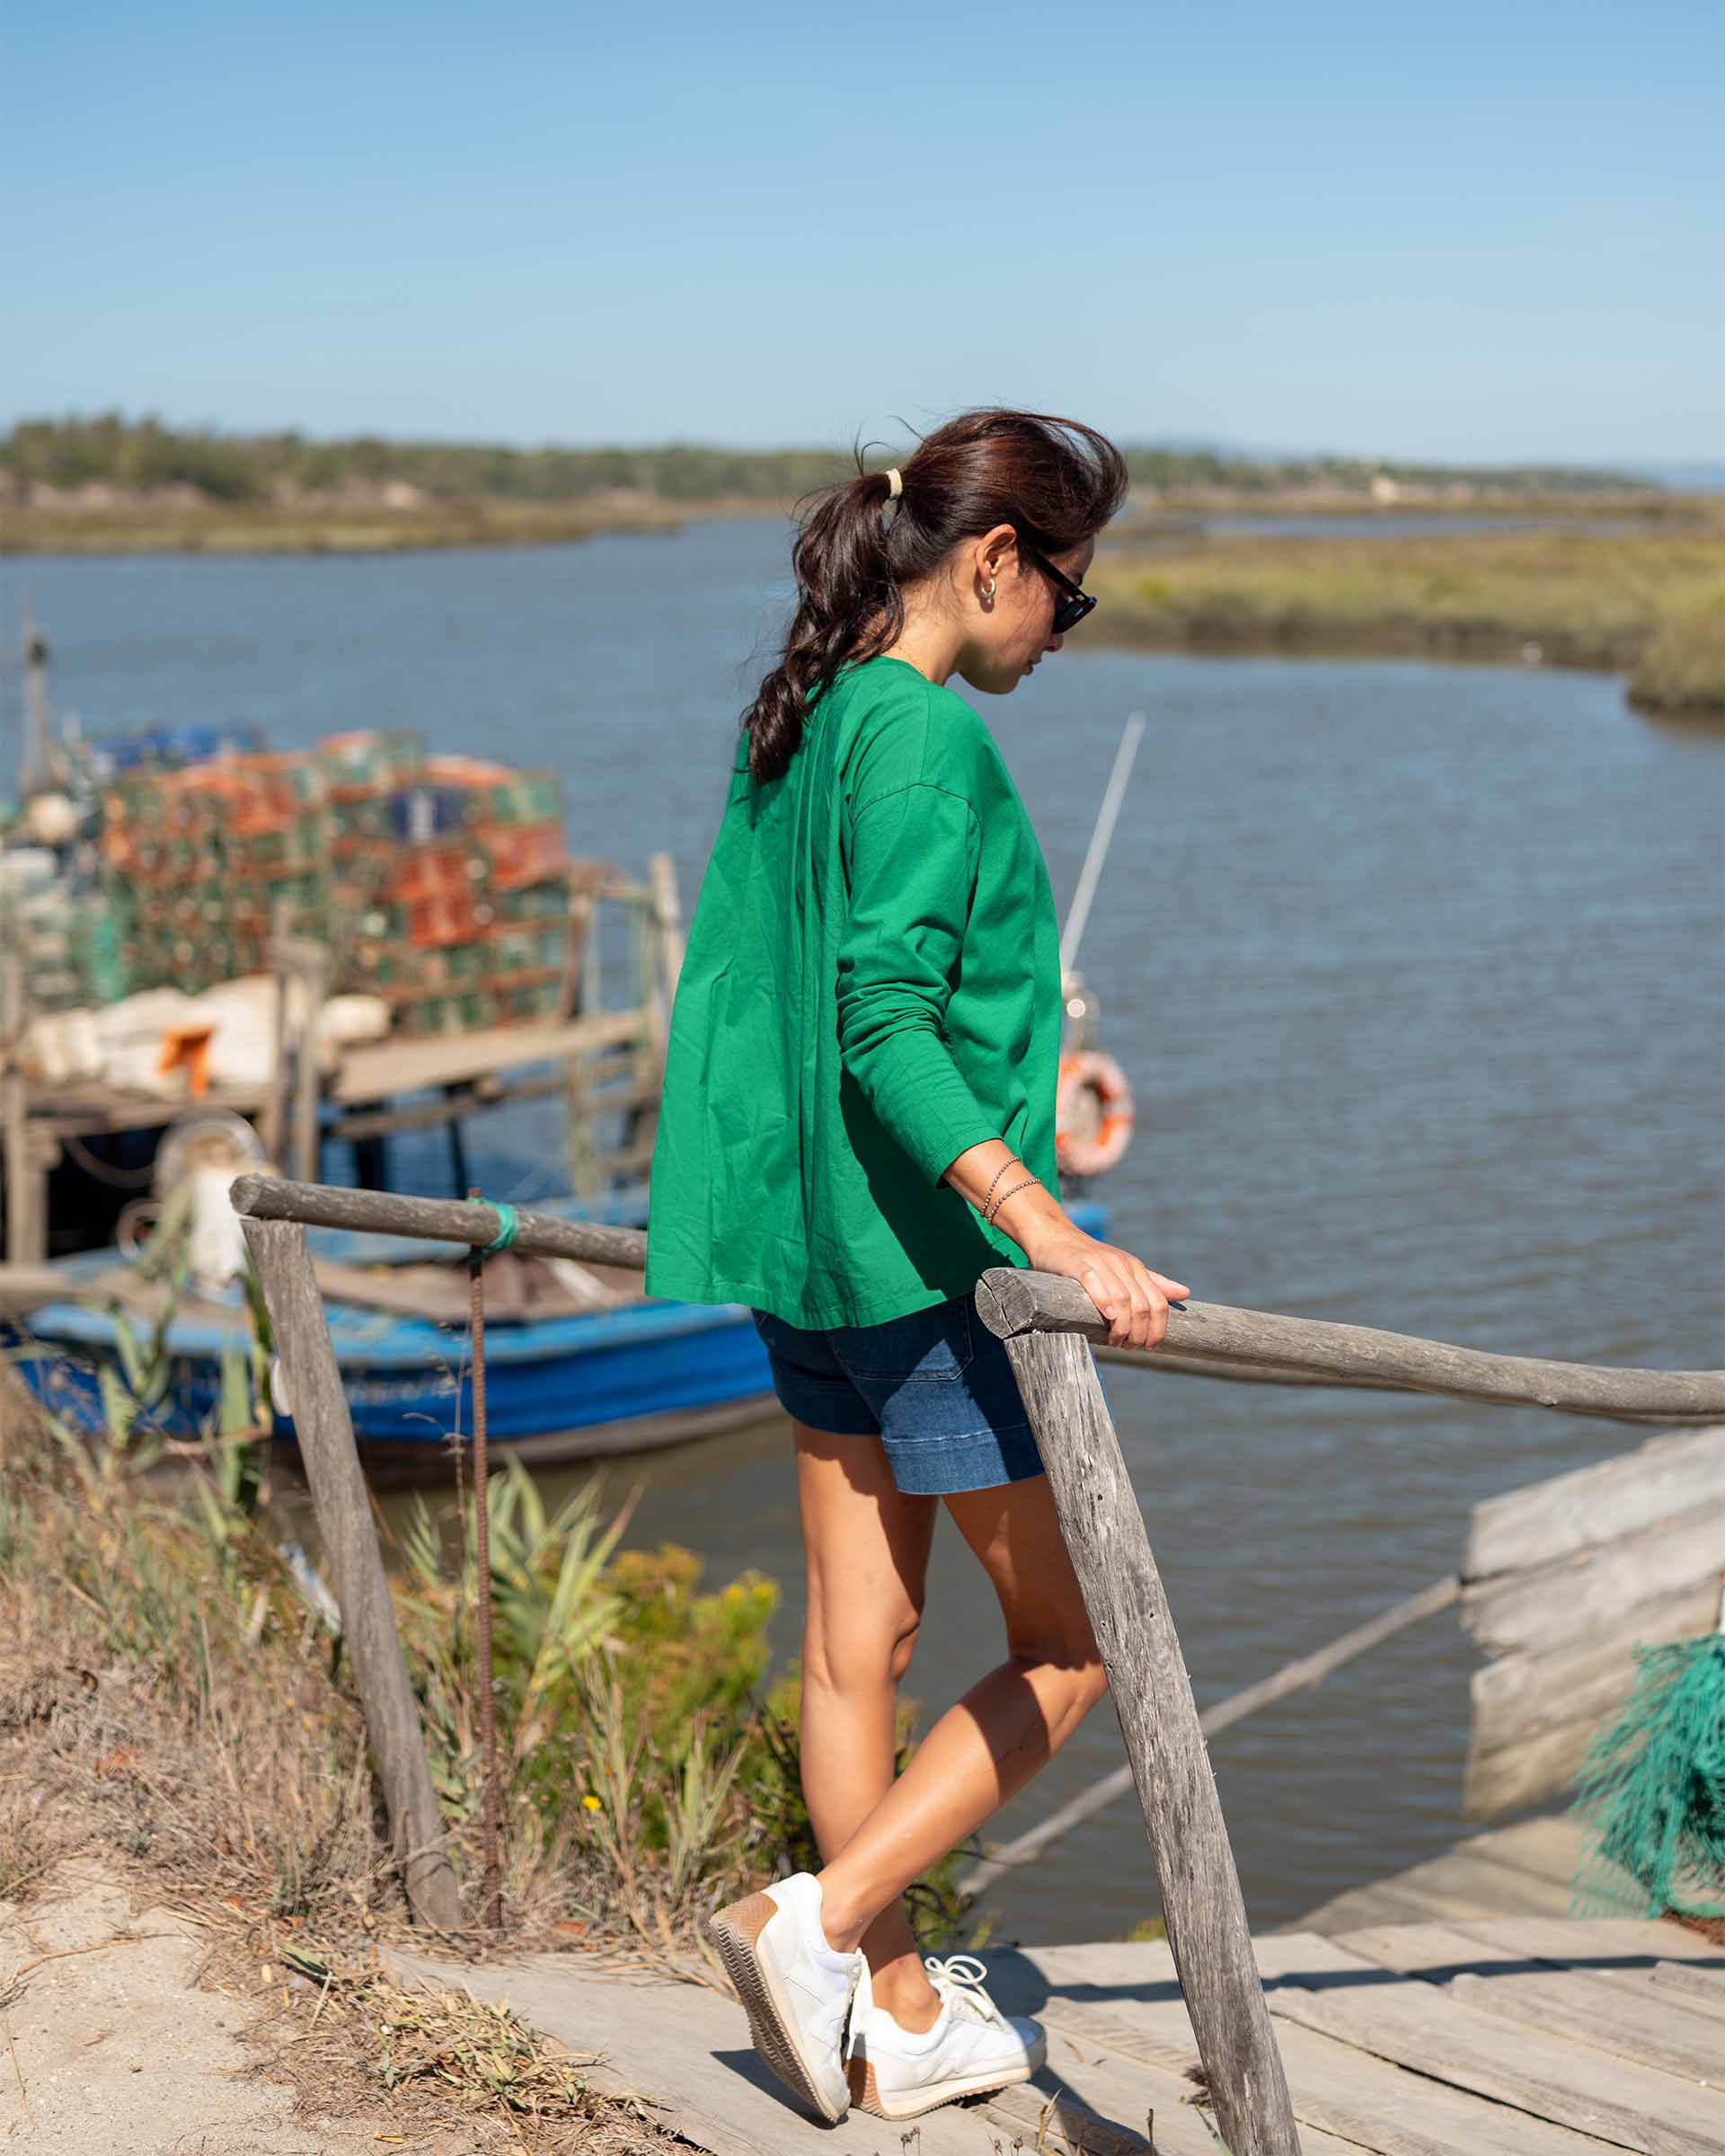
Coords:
872,985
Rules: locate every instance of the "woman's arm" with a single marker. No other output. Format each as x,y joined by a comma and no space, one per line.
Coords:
1132,1298
913,869
911,872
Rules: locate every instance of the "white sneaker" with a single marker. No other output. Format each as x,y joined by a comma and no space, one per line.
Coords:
971,2047
795,1988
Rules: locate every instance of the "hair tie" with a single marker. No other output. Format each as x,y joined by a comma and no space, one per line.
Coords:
895,484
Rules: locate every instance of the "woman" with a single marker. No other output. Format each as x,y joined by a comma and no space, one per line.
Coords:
858,1120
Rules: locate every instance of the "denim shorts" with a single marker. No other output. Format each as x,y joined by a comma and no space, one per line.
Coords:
936,1387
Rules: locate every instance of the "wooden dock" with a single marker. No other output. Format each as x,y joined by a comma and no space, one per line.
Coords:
1522,2036
1528,1870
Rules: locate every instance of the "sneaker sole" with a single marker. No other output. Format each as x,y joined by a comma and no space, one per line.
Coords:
736,1934
866,2095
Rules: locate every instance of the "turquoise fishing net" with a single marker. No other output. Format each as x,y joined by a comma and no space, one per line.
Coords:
1651,1791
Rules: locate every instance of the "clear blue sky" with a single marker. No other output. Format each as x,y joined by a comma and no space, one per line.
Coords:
1468,232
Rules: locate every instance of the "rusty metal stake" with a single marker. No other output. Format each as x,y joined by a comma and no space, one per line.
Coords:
492,1902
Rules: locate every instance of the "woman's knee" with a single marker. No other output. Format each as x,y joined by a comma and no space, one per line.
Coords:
903,1646
859,1651
1069,1650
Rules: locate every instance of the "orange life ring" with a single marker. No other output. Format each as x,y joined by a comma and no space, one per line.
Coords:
1094,1116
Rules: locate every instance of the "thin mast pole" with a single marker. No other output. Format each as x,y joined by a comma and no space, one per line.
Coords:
1090,874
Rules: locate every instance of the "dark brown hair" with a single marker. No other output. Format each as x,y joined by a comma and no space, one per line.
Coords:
1054,481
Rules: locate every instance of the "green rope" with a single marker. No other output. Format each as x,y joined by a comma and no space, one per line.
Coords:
510,1227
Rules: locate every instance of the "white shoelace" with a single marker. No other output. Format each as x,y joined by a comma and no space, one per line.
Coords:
959,1980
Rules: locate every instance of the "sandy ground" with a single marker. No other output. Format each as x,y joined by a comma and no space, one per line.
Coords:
111,2046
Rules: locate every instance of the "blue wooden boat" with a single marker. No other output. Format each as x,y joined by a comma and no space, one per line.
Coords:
586,1384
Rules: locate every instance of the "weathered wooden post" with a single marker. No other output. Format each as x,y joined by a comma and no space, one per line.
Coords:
324,1428
22,1190
1104,1530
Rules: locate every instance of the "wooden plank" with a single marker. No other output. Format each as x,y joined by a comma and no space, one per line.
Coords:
1580,1594
343,1506
1467,1882
1104,1526
1364,1906
684,2049
382,1070
88,1111
1550,1848
1065,2127
1127,1997
1535,1714
1526,1870
1586,2007
445,1108
441,1293
1688,2044
1649,1941
1343,2100
1540,1770
1630,1953
1669,1475
1702,1988
1521,1694
1425,2031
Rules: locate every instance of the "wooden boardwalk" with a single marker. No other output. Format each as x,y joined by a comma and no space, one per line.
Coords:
1519,2037
1524,1870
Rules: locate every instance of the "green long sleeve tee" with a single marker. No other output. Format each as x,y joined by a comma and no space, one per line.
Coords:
872,985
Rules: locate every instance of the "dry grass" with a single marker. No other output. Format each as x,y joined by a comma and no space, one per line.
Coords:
161,1674
353,2043
1567,598
272,1862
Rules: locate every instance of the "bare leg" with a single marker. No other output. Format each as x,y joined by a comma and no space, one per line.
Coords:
865,1545
1011,1722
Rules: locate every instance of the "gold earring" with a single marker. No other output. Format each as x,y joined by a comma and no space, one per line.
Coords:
988,589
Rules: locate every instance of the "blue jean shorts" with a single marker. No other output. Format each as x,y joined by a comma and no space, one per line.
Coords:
936,1387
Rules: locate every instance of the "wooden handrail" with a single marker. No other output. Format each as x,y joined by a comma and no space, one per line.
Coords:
1014,1301
1205,1339
433,1220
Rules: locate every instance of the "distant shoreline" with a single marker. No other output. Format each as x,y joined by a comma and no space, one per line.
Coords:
1648,601
164,525
310,529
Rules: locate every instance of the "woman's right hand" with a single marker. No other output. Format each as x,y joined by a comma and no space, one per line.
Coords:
1132,1297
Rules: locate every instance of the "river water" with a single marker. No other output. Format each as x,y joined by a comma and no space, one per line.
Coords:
1416,971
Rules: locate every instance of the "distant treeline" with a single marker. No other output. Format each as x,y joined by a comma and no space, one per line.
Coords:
144,455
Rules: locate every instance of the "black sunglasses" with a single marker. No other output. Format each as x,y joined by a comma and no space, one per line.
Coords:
1069,611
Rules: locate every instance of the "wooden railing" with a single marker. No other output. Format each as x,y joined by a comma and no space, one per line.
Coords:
1046,1324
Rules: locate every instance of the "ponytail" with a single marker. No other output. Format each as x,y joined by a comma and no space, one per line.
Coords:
1054,481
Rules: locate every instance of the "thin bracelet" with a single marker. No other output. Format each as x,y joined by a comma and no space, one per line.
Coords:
1025,1185
1001,1200
1014,1161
